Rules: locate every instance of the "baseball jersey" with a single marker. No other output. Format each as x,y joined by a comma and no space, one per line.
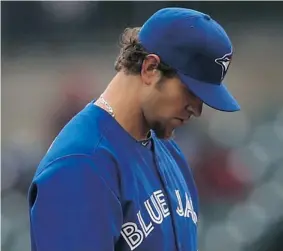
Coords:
98,189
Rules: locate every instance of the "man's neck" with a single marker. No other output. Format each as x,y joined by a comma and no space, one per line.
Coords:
122,94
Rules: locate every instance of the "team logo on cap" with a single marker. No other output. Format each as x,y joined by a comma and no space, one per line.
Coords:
224,62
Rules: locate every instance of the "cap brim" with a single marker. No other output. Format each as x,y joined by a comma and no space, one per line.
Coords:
215,96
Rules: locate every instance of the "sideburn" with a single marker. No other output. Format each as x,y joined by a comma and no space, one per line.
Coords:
159,85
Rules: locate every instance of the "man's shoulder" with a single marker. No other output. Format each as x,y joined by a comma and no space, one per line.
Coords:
100,163
85,133
83,139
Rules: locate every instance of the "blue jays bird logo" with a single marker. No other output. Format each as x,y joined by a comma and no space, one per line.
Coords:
224,62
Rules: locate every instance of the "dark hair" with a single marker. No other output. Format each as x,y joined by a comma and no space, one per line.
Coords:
132,55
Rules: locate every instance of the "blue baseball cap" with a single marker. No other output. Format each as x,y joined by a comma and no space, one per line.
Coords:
197,47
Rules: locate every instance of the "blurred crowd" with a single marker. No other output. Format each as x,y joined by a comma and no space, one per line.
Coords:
58,56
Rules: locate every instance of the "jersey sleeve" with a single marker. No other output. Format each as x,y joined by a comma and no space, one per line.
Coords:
72,208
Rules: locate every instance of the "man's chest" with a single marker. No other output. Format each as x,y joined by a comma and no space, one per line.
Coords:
158,207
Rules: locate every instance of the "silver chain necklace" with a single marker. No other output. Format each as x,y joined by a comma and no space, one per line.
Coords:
111,112
109,108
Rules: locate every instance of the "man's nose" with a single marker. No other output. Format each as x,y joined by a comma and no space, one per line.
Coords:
196,107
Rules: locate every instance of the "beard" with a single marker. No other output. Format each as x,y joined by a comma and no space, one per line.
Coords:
161,131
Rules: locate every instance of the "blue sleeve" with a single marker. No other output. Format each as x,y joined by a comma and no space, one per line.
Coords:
73,209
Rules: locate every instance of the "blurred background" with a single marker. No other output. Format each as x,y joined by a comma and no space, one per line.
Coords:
58,56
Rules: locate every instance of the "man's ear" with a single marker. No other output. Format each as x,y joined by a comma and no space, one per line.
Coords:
149,71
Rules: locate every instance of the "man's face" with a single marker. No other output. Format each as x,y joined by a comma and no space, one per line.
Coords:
167,104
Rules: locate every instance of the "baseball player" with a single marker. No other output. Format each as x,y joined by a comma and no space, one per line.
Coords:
114,179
